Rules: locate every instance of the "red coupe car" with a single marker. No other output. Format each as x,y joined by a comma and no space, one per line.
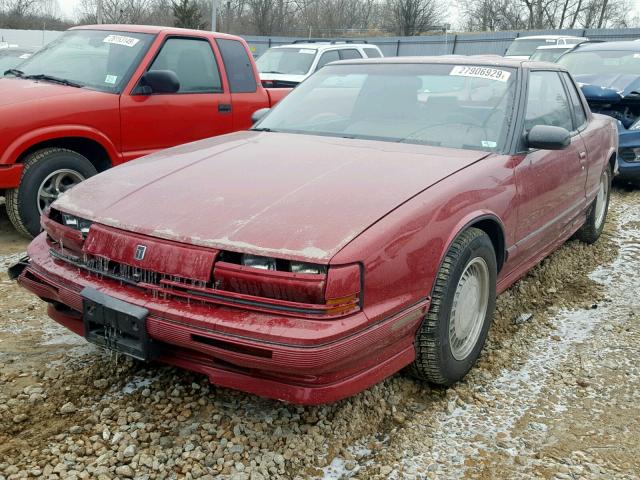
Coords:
365,224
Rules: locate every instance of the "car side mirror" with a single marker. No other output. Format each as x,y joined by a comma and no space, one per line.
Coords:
547,137
158,81
259,115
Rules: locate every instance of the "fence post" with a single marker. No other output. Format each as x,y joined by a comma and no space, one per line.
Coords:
269,43
398,48
455,41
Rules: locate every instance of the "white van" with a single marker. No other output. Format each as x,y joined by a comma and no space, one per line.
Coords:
288,65
523,47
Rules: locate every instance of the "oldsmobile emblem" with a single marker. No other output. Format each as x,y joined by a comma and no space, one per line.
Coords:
140,251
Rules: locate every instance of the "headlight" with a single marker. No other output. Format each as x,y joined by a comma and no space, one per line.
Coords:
302,267
76,223
255,261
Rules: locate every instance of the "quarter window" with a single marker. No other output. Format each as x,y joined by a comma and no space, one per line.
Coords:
239,67
372,53
193,62
576,104
547,102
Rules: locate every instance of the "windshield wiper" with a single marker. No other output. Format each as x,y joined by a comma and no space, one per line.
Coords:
262,130
271,71
50,78
15,72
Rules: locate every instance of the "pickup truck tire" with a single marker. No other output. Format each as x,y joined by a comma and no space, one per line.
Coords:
597,213
454,330
47,173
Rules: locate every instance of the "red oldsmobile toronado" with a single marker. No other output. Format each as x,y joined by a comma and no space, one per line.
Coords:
365,224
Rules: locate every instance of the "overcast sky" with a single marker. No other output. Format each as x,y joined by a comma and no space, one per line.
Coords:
68,8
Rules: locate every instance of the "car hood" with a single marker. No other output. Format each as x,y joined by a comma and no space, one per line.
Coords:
283,195
17,90
610,88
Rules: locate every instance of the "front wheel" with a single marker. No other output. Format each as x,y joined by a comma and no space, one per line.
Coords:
453,332
597,214
47,174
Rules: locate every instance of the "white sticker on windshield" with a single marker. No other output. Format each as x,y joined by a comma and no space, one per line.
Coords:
307,51
24,55
111,79
489,144
636,55
121,40
480,72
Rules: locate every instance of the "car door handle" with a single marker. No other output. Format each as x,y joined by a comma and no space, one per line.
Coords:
224,107
583,155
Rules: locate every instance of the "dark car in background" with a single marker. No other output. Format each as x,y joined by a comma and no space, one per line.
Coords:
11,57
609,76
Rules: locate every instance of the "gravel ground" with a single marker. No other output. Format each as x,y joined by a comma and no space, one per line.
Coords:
554,395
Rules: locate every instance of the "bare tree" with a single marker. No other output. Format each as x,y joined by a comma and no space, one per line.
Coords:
412,17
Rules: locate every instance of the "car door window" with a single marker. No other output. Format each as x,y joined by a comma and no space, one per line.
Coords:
330,56
193,62
579,115
372,53
547,102
349,53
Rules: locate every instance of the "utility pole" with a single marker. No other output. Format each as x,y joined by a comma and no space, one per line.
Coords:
99,12
214,11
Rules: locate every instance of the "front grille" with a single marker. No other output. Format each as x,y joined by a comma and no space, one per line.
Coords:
122,272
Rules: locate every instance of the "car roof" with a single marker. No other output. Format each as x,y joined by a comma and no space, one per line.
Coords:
554,47
622,45
154,30
321,46
548,37
485,60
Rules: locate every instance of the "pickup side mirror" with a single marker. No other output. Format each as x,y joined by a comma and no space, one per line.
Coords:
546,137
259,115
158,81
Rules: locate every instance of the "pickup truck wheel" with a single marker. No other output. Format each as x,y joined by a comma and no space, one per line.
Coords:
597,214
454,330
46,175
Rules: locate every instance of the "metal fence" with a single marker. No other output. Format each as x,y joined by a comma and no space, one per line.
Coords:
461,44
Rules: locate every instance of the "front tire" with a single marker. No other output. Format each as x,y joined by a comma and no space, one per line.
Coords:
453,332
597,214
46,175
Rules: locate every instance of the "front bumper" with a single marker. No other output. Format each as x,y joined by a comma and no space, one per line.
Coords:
295,360
628,139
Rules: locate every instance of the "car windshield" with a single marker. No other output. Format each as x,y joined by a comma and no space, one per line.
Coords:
524,48
290,61
456,106
548,55
11,59
98,59
602,62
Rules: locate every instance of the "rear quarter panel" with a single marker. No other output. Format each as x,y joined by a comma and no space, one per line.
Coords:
601,141
402,252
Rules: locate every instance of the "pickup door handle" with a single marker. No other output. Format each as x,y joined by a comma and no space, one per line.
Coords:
224,107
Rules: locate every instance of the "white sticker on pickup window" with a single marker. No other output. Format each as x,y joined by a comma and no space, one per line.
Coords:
111,79
480,72
307,51
489,144
121,40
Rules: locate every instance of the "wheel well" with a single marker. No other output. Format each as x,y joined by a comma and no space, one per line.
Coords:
612,163
493,229
92,150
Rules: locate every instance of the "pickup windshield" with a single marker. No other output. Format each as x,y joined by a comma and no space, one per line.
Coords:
602,62
289,61
524,48
456,106
96,59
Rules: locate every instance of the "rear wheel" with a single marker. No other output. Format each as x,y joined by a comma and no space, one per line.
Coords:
454,330
597,214
47,174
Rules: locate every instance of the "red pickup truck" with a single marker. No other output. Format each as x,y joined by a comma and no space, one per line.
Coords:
101,95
